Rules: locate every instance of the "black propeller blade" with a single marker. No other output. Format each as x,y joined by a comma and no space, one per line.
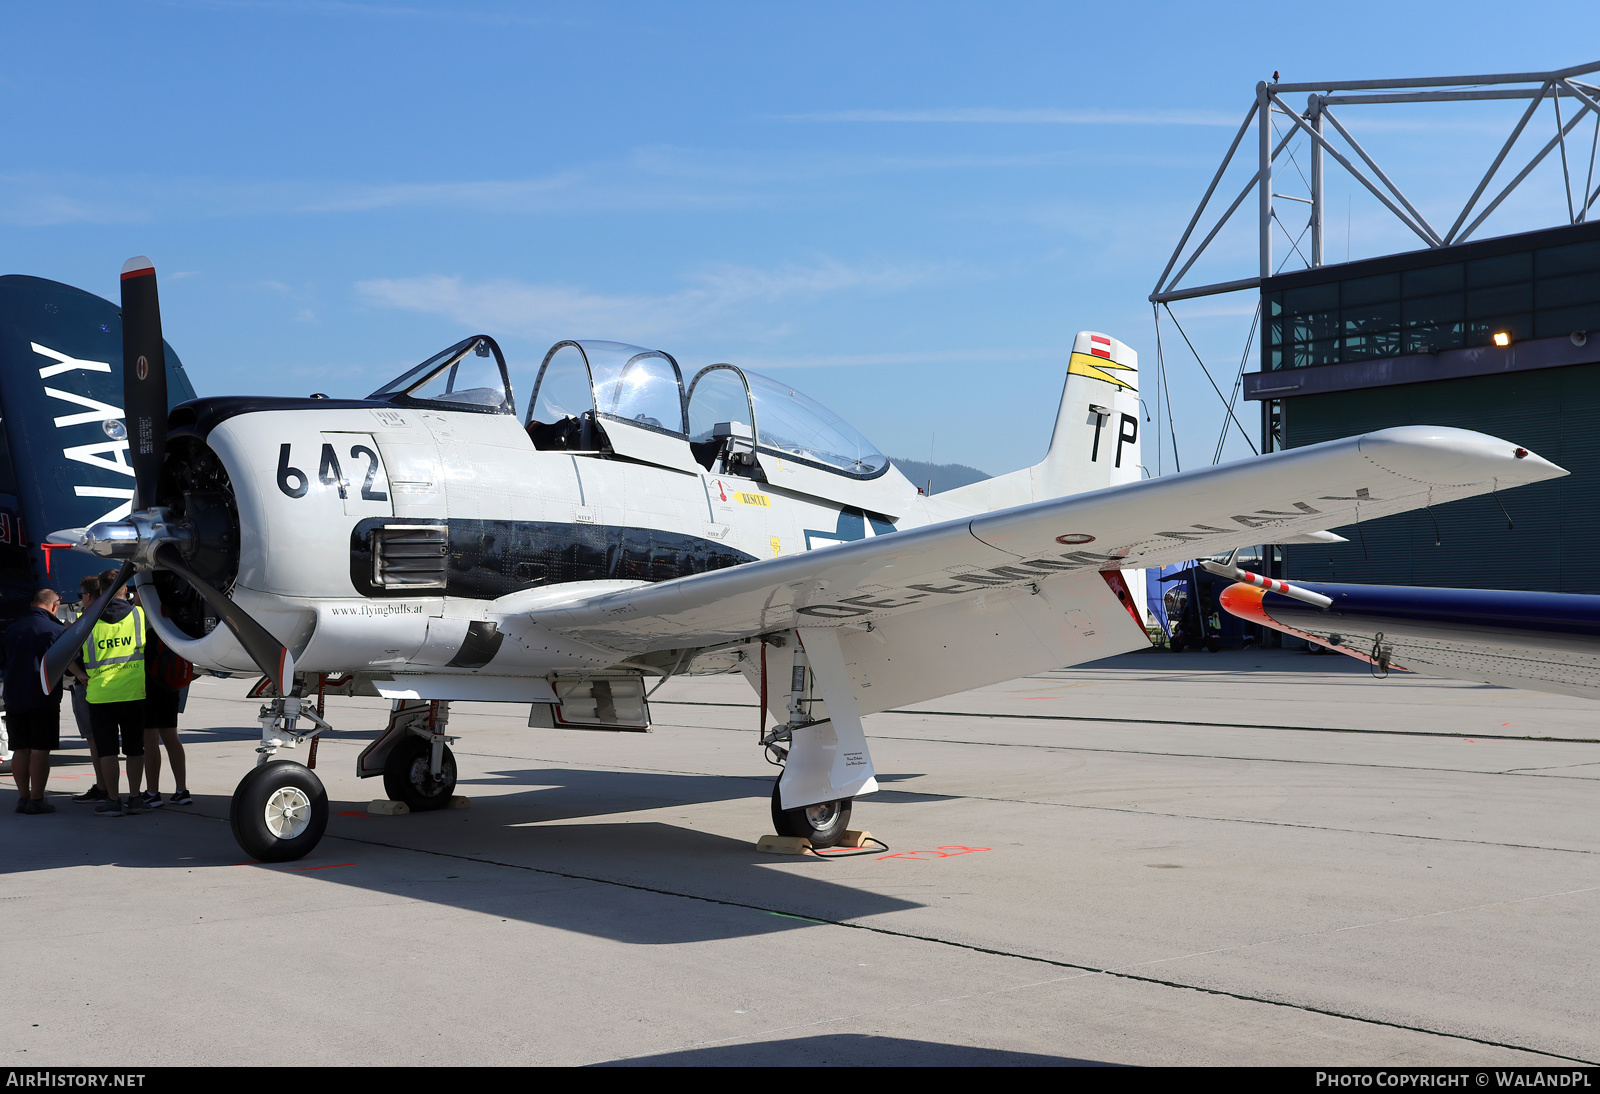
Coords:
144,377
270,655
144,394
65,648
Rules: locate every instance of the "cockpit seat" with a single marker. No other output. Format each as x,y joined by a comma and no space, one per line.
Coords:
574,434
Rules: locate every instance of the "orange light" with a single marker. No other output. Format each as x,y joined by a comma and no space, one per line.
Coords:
1502,338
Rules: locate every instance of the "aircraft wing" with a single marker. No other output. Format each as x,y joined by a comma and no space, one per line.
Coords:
1041,546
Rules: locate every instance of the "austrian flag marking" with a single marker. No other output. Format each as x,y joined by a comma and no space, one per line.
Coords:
1100,346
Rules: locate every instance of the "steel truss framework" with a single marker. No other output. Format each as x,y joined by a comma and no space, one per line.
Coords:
1582,101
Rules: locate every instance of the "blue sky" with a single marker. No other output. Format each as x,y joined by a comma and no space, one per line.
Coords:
906,210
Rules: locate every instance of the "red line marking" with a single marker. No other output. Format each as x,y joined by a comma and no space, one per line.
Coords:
330,866
943,852
359,813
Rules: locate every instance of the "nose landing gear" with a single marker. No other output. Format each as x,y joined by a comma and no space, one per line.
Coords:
280,809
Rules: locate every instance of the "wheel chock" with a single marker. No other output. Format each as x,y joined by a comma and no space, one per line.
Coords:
384,808
783,845
458,802
852,838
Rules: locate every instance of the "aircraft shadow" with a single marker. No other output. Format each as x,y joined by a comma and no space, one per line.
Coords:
568,793
850,1050
540,856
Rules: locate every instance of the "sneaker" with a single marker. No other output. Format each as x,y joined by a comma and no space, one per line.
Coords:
151,799
22,804
181,797
93,794
111,807
135,805
42,805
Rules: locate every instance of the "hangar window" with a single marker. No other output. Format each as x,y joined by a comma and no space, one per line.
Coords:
1526,291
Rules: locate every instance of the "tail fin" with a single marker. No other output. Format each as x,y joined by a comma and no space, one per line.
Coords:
1096,439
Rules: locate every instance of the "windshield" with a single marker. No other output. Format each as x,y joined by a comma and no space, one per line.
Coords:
792,425
470,375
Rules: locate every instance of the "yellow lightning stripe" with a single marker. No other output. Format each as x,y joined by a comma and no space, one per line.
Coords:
1098,368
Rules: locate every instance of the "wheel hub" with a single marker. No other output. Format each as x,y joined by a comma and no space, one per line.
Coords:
426,783
288,812
822,815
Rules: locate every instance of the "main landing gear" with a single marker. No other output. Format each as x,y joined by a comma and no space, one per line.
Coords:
824,824
413,755
409,775
825,760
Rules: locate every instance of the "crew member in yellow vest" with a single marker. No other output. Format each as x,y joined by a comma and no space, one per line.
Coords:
113,658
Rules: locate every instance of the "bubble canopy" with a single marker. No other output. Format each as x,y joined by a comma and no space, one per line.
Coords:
643,388
787,424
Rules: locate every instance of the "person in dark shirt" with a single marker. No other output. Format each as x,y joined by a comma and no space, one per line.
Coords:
165,676
33,715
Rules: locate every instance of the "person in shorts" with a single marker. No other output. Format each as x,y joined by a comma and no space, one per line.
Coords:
113,659
165,676
33,715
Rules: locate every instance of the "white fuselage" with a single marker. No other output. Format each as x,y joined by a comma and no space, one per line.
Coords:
480,474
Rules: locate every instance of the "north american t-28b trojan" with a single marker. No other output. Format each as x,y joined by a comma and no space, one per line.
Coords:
446,539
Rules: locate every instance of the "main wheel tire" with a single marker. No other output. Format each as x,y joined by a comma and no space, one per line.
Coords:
279,811
824,824
406,778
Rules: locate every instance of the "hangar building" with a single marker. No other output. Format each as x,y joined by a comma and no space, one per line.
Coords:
1498,334
1409,339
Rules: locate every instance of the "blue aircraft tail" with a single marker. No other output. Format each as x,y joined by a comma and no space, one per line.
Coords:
63,436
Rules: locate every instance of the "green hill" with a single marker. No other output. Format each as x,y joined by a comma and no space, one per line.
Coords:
945,476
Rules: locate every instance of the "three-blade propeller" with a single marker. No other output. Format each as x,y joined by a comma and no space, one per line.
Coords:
145,539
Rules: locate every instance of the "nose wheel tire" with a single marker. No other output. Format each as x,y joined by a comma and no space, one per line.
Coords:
824,824
279,811
406,777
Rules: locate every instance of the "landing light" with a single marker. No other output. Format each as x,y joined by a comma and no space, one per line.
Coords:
1502,338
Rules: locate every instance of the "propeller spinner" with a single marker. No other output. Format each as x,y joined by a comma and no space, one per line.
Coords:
149,538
